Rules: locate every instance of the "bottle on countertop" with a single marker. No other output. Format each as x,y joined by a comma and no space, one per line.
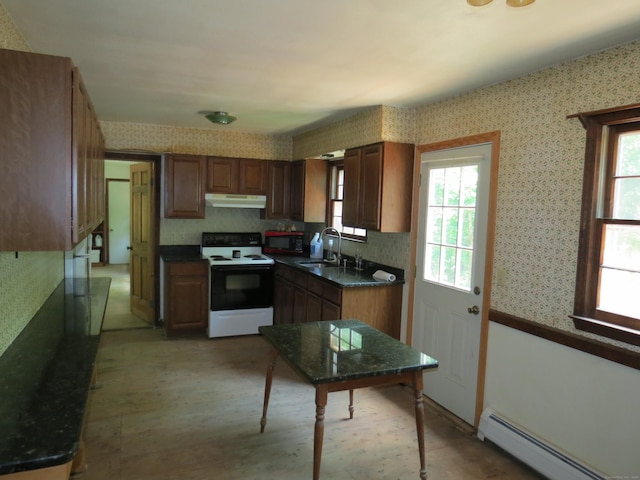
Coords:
316,246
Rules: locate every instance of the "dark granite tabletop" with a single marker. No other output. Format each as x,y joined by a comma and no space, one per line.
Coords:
344,277
343,350
45,376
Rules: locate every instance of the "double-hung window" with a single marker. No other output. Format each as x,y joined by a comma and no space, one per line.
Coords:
336,203
608,273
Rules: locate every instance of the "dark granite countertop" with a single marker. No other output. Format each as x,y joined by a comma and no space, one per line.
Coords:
343,350
45,376
181,253
344,277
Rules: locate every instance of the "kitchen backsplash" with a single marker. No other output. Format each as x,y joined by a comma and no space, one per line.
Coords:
388,248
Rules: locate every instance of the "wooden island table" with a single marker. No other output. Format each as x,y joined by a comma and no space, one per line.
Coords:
344,355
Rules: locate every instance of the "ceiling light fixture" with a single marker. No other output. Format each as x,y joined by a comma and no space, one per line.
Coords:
511,3
221,118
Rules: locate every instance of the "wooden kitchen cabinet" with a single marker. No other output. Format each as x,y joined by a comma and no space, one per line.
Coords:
278,190
186,296
52,152
242,176
309,190
378,187
304,297
184,186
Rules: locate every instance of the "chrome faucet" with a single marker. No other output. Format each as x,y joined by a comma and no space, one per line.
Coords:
336,258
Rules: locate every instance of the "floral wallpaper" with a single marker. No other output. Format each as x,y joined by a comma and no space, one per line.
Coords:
540,177
196,141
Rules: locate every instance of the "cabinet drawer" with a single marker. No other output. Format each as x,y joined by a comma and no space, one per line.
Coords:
315,286
284,272
332,293
300,279
188,268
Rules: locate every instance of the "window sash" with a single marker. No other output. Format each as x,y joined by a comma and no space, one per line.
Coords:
336,198
598,202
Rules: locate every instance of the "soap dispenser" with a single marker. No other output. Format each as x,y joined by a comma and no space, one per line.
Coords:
316,246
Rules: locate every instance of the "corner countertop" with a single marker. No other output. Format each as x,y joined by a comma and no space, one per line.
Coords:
343,277
45,377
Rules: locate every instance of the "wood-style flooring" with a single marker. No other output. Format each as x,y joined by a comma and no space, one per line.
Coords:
118,314
189,409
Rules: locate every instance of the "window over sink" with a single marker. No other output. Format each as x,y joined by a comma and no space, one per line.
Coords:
336,199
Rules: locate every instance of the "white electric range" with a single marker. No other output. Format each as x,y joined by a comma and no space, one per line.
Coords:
241,283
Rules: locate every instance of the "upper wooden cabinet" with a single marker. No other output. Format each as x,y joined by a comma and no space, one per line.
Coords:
278,190
378,182
51,154
309,190
237,175
184,186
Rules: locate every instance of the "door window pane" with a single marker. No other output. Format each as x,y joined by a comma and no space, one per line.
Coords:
451,215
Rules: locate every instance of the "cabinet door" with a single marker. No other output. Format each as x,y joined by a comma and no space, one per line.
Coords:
184,180
278,194
299,312
309,190
314,308
350,205
187,296
370,187
253,177
330,311
283,301
222,175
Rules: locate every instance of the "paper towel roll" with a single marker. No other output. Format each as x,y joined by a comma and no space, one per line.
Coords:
383,276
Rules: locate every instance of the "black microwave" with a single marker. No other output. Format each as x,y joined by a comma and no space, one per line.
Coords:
283,243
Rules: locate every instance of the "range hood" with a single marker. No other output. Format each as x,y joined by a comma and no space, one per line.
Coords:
230,200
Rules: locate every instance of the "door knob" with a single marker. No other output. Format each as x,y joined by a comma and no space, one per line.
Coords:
475,310
128,247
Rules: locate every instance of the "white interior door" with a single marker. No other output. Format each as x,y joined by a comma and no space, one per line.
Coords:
119,221
451,250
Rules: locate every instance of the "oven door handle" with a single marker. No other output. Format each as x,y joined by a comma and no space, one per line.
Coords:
241,268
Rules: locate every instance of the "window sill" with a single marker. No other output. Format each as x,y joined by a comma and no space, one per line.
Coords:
615,332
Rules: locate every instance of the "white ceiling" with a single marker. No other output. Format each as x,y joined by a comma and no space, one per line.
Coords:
286,66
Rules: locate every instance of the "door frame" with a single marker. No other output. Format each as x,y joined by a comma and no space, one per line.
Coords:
494,139
156,159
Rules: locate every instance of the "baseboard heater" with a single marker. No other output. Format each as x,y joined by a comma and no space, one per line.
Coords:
529,449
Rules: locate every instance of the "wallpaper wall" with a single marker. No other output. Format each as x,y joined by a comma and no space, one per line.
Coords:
541,163
196,141
27,281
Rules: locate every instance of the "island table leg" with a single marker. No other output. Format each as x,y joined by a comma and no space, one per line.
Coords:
321,403
419,403
273,356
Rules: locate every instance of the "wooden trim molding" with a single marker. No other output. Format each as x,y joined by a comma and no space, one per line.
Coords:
607,329
568,339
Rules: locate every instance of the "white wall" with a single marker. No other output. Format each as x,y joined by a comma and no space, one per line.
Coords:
580,403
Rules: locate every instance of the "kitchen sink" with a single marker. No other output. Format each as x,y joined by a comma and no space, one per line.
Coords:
316,265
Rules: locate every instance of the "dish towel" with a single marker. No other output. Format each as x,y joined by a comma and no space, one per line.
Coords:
383,276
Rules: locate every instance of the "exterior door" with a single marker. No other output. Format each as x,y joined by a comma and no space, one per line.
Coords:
142,254
450,273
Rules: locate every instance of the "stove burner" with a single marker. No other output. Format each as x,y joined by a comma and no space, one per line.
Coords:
254,256
216,258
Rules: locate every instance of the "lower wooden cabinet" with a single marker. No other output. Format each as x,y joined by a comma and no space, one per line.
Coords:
303,297
186,296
